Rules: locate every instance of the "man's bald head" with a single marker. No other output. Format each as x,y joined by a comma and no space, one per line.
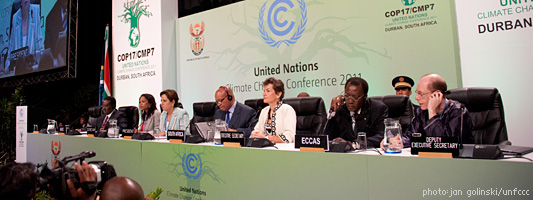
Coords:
222,98
435,82
119,188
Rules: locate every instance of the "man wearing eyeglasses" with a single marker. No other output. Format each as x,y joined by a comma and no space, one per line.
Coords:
438,116
357,114
238,116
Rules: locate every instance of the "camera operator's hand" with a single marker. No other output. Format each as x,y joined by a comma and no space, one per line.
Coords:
87,177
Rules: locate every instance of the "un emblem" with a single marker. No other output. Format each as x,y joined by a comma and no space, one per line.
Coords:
408,2
279,26
192,165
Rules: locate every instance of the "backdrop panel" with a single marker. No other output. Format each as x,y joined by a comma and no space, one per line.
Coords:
495,45
137,50
314,46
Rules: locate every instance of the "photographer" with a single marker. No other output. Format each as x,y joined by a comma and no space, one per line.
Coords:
88,182
116,188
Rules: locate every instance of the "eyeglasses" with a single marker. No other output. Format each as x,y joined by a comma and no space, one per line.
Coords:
353,98
221,100
422,94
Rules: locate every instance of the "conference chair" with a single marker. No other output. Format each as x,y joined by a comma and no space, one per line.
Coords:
310,114
94,113
132,115
203,112
256,104
399,107
485,107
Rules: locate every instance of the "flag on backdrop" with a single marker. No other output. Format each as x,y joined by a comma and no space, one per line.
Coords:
105,76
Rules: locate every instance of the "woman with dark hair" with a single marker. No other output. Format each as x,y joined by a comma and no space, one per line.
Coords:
277,121
150,116
172,117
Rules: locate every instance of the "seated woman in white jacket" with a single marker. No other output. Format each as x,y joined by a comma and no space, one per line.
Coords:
277,121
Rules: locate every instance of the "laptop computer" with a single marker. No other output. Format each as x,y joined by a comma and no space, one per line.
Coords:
206,129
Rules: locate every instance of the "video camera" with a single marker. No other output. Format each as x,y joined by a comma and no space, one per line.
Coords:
55,180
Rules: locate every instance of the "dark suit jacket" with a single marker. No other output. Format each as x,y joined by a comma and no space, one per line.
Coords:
243,118
122,122
369,121
445,124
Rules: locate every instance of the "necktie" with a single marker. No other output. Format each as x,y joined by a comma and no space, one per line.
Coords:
105,122
354,123
227,117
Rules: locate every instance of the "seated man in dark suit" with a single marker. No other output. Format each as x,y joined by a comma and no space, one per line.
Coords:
358,114
238,116
109,111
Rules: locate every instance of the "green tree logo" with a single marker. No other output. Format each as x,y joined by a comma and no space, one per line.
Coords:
133,10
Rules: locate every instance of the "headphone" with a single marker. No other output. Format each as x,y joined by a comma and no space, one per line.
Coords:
227,93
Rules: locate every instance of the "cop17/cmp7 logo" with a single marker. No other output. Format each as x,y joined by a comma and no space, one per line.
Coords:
408,2
197,39
133,10
277,19
192,165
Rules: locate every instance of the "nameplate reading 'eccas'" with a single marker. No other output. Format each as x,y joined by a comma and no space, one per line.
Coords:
176,134
435,144
314,141
226,136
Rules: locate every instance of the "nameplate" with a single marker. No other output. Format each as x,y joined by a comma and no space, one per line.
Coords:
91,131
176,135
19,53
312,141
128,133
231,137
435,144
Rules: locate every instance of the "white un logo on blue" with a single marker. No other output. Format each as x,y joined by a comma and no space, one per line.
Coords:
280,26
192,165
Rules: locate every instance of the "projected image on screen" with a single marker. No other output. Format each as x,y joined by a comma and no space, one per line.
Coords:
33,36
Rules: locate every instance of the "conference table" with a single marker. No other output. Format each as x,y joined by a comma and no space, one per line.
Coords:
208,171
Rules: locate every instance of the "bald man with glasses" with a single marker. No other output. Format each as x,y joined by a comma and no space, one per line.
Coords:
357,114
438,115
238,116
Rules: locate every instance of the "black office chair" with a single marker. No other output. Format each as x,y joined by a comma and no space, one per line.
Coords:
399,107
310,114
94,113
132,115
256,104
485,107
203,112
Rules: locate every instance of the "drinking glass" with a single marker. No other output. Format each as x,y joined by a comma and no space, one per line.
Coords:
361,141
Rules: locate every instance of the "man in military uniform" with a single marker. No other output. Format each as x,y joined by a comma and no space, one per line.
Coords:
403,85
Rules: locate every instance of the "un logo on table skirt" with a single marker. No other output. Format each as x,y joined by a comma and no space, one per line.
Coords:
278,26
192,165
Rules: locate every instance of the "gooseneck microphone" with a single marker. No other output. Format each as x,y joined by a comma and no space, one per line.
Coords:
461,133
331,115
